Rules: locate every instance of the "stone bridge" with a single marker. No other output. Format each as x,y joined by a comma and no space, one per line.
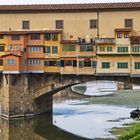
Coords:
30,94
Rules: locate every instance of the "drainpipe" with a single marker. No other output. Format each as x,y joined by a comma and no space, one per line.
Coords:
98,23
97,37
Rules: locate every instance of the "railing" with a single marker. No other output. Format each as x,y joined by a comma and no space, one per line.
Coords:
105,40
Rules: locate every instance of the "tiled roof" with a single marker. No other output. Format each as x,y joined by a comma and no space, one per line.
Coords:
123,29
135,39
30,32
11,54
69,7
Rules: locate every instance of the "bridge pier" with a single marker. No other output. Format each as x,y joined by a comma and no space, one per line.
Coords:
16,100
17,96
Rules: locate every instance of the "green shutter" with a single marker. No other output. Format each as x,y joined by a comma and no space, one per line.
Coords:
137,65
122,65
46,63
81,64
105,65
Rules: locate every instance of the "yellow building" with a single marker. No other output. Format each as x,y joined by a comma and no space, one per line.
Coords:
52,50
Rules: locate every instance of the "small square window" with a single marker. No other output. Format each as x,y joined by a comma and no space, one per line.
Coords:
47,49
119,35
25,24
128,22
93,24
54,37
59,24
126,35
54,49
47,36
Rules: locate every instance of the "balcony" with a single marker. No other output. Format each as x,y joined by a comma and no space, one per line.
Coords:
105,41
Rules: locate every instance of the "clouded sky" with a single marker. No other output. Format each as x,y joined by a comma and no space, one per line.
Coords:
59,1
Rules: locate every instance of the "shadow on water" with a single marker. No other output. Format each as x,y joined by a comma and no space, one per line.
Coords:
38,128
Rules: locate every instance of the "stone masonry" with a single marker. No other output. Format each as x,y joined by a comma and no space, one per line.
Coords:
30,94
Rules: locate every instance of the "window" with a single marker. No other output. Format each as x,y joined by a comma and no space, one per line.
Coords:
109,48
35,62
25,24
137,65
11,61
53,63
54,49
126,35
74,63
122,65
105,65
119,35
136,48
35,49
68,63
47,49
94,63
93,23
1,62
87,63
47,36
59,24
128,22
1,48
62,63
102,49
1,36
15,37
24,49
25,61
35,36
122,49
68,47
86,48
54,37
81,64
17,48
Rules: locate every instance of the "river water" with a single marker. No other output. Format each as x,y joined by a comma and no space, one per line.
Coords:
77,117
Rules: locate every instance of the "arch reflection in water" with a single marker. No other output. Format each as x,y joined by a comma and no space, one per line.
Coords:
101,87
38,128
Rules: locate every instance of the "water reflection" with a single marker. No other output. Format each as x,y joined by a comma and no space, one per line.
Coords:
97,88
38,128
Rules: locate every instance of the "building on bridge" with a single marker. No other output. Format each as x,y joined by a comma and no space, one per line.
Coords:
94,39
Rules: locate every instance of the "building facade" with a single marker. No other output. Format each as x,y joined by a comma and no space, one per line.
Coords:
82,39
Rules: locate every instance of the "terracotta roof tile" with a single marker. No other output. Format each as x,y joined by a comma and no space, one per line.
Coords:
135,39
30,32
123,29
69,7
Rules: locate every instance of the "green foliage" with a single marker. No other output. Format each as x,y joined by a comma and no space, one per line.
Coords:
131,132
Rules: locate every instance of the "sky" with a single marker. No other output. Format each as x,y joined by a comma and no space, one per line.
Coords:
11,2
